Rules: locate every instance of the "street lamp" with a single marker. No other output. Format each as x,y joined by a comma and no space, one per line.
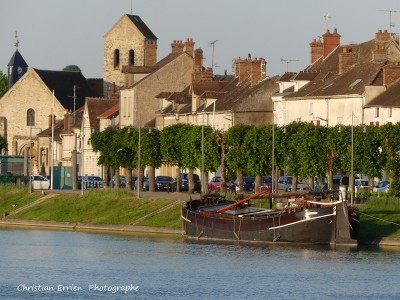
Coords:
30,157
83,153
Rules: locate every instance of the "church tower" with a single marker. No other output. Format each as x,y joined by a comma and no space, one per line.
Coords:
129,43
17,66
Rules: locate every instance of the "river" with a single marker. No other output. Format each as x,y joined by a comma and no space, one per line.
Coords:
61,264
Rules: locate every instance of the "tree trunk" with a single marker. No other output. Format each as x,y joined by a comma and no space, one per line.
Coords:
190,183
116,181
239,188
152,176
257,184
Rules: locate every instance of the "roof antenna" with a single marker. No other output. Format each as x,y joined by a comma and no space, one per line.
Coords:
390,17
287,62
16,39
131,8
212,58
326,18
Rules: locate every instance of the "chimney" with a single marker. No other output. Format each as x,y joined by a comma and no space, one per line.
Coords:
54,122
316,49
177,47
189,46
391,74
346,59
384,36
67,121
150,53
248,67
330,41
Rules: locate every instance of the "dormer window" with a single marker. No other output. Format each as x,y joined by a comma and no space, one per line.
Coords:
116,58
30,117
131,57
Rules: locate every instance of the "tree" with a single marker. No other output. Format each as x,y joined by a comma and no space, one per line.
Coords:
72,68
3,84
3,143
236,159
150,152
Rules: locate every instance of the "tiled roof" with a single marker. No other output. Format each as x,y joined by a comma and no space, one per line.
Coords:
142,27
288,76
328,81
96,107
246,98
389,98
112,112
62,82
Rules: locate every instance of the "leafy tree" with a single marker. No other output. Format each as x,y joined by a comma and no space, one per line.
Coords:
257,148
72,68
236,159
3,84
3,143
150,152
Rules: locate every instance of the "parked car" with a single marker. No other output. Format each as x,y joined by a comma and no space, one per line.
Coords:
361,185
248,183
164,183
382,187
40,182
122,181
89,182
215,184
185,183
266,184
145,186
285,184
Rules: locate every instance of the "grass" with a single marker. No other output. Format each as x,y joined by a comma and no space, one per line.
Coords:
97,207
380,217
14,196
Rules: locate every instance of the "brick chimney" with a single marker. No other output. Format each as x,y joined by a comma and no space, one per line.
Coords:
189,46
384,36
346,59
330,41
248,67
54,122
150,53
67,121
177,47
391,73
316,49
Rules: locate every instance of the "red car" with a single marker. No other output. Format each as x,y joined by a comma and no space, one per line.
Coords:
266,184
215,184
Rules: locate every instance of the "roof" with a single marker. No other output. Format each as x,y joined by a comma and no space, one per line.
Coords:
148,34
63,82
325,79
96,107
389,98
112,112
17,60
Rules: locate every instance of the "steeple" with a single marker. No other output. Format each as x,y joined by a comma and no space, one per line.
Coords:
17,66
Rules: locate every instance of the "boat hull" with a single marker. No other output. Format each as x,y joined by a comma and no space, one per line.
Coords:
321,225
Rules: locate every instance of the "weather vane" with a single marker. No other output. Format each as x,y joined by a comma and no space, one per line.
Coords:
16,40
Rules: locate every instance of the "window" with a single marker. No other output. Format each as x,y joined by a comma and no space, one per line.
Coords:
311,111
390,112
116,58
30,117
131,57
376,112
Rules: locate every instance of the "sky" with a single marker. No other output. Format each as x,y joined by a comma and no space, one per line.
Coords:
55,33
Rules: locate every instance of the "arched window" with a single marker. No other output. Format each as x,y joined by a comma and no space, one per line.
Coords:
131,57
30,117
116,58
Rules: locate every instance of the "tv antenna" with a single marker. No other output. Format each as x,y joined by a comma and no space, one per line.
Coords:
326,19
131,8
390,17
212,57
287,62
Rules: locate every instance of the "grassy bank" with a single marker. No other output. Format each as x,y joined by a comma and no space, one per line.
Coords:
380,216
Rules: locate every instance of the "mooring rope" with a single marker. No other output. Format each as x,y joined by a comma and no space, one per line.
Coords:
379,219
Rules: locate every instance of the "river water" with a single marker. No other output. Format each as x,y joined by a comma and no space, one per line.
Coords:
58,264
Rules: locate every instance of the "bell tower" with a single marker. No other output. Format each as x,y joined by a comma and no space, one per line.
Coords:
17,66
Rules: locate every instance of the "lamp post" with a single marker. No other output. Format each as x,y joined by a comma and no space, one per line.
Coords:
84,116
202,155
30,157
352,160
139,184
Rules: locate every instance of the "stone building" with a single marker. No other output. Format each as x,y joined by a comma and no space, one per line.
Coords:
129,43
